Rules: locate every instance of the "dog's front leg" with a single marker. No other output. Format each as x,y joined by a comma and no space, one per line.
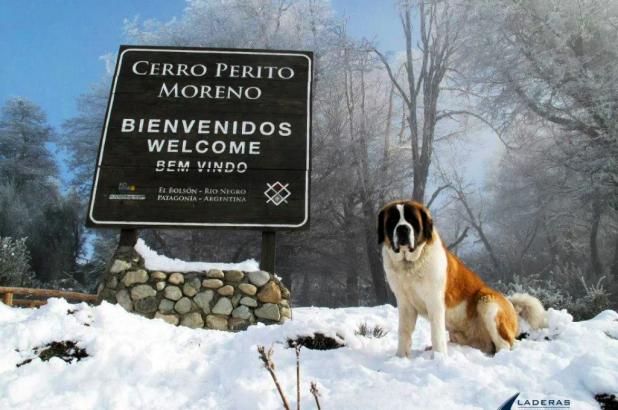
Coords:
437,313
407,323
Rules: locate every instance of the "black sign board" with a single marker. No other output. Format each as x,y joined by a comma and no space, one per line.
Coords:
199,137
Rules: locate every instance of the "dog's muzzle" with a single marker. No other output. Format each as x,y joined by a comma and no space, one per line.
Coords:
402,237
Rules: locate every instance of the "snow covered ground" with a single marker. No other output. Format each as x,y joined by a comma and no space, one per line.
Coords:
136,363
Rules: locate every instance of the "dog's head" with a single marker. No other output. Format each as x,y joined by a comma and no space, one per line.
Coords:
405,227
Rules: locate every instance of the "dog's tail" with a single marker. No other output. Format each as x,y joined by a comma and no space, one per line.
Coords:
530,309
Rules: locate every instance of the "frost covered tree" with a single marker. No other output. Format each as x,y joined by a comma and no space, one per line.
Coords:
431,33
27,168
81,134
31,202
554,63
14,215
25,158
282,24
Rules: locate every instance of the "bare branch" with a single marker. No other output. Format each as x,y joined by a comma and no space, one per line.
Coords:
436,193
392,77
459,239
406,22
477,224
544,112
451,114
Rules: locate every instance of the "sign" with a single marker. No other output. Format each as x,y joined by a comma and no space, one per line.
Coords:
199,137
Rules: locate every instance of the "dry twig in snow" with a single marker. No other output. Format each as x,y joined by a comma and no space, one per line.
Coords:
266,357
316,393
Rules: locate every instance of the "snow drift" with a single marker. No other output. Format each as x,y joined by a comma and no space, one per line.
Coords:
154,261
136,363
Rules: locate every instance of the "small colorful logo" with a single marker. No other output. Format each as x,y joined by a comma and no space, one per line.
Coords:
277,193
127,193
124,186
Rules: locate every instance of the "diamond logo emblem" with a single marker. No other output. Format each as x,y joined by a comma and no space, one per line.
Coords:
277,193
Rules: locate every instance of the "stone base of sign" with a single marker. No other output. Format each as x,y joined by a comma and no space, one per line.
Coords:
223,300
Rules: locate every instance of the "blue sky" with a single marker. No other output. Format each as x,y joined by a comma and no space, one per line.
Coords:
51,49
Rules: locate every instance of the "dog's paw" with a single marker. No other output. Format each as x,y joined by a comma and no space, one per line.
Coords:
435,355
403,353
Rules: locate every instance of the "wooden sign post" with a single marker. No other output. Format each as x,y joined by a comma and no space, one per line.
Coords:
268,254
206,138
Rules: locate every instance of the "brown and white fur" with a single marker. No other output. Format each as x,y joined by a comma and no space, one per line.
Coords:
428,280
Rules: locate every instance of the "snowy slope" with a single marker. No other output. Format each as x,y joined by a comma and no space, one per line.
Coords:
139,363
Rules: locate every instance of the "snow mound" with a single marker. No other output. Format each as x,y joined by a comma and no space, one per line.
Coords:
154,261
137,363
557,321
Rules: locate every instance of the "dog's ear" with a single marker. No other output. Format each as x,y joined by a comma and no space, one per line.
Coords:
381,233
427,223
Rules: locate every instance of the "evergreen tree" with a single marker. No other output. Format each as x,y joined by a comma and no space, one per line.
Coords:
32,207
24,138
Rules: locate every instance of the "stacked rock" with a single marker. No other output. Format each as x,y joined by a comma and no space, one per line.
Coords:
216,299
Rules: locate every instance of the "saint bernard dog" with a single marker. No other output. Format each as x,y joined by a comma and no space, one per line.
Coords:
429,280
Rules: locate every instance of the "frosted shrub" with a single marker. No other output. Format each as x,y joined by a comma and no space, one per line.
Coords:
14,262
547,291
595,299
583,304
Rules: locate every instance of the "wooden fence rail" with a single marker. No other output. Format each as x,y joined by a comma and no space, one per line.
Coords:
8,293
